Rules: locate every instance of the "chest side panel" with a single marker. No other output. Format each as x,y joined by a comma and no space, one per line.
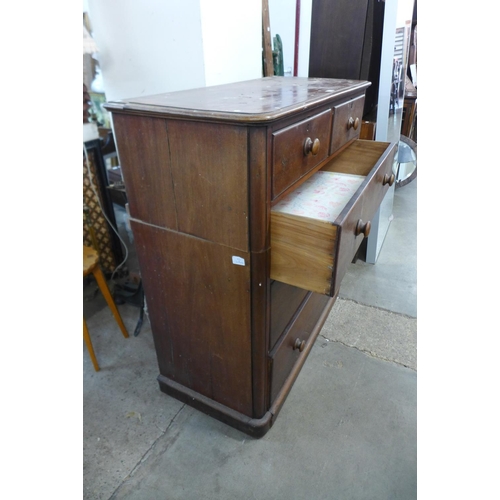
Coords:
144,154
199,306
209,171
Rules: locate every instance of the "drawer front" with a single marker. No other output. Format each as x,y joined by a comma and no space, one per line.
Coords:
363,209
285,301
346,122
314,254
290,347
298,149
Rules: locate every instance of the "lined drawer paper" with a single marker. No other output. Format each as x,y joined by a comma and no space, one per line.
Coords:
322,196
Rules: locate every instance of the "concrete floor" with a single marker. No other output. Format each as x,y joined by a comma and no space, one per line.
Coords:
348,428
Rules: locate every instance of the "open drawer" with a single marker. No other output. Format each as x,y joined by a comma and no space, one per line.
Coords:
317,229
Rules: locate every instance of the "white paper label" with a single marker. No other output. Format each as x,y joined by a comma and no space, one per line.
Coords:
239,261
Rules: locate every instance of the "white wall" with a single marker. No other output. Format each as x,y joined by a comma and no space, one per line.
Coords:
282,20
156,46
304,37
232,40
405,12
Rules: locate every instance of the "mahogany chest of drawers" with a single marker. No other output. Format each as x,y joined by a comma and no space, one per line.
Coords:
237,291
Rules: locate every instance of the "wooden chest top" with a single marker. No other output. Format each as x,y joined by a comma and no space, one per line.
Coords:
261,100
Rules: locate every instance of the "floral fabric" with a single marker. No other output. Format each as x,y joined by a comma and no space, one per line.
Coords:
322,196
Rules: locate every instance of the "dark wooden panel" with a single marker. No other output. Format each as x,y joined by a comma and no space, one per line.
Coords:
210,177
143,150
285,356
337,37
346,42
290,162
199,306
285,300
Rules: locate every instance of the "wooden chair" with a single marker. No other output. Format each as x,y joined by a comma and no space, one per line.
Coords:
91,265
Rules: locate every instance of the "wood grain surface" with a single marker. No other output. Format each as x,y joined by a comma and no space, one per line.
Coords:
199,307
290,162
262,100
144,154
302,251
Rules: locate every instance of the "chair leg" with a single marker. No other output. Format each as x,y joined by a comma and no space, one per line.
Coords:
88,342
103,286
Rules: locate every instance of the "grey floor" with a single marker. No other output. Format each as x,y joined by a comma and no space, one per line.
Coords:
348,429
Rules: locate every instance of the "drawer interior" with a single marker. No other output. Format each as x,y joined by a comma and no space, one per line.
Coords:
322,197
315,227
358,159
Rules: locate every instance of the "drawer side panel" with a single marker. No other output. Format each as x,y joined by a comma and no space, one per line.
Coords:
302,252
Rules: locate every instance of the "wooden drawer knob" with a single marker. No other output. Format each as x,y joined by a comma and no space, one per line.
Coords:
353,123
363,228
299,344
311,146
388,179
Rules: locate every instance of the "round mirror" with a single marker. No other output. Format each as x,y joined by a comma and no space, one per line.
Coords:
406,164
